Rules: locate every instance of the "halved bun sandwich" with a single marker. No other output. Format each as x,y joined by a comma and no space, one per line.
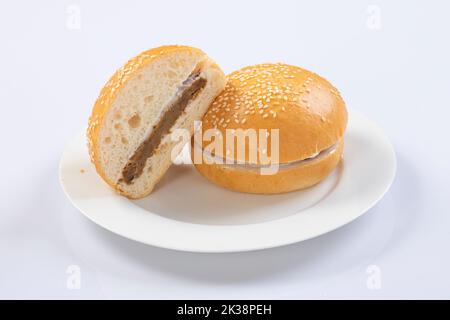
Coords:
154,93
302,110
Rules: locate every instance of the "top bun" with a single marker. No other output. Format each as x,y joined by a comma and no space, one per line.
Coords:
308,111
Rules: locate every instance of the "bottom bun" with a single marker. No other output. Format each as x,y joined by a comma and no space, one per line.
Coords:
287,179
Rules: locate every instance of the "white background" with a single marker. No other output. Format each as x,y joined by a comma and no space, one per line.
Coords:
391,62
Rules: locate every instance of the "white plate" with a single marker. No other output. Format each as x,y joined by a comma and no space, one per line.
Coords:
186,212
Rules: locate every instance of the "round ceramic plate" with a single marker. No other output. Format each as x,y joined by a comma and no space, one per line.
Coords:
187,212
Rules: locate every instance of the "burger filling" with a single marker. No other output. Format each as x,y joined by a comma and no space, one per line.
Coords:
284,165
188,91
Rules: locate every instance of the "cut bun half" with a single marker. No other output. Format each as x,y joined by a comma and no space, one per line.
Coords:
156,92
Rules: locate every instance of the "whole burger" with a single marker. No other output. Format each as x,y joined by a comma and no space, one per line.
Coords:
296,117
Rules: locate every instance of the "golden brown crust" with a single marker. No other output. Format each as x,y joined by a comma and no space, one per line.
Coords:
308,111
286,180
108,95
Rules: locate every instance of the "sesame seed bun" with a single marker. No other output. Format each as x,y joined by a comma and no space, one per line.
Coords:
154,93
306,109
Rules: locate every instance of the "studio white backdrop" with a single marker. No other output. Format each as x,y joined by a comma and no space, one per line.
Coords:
390,60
